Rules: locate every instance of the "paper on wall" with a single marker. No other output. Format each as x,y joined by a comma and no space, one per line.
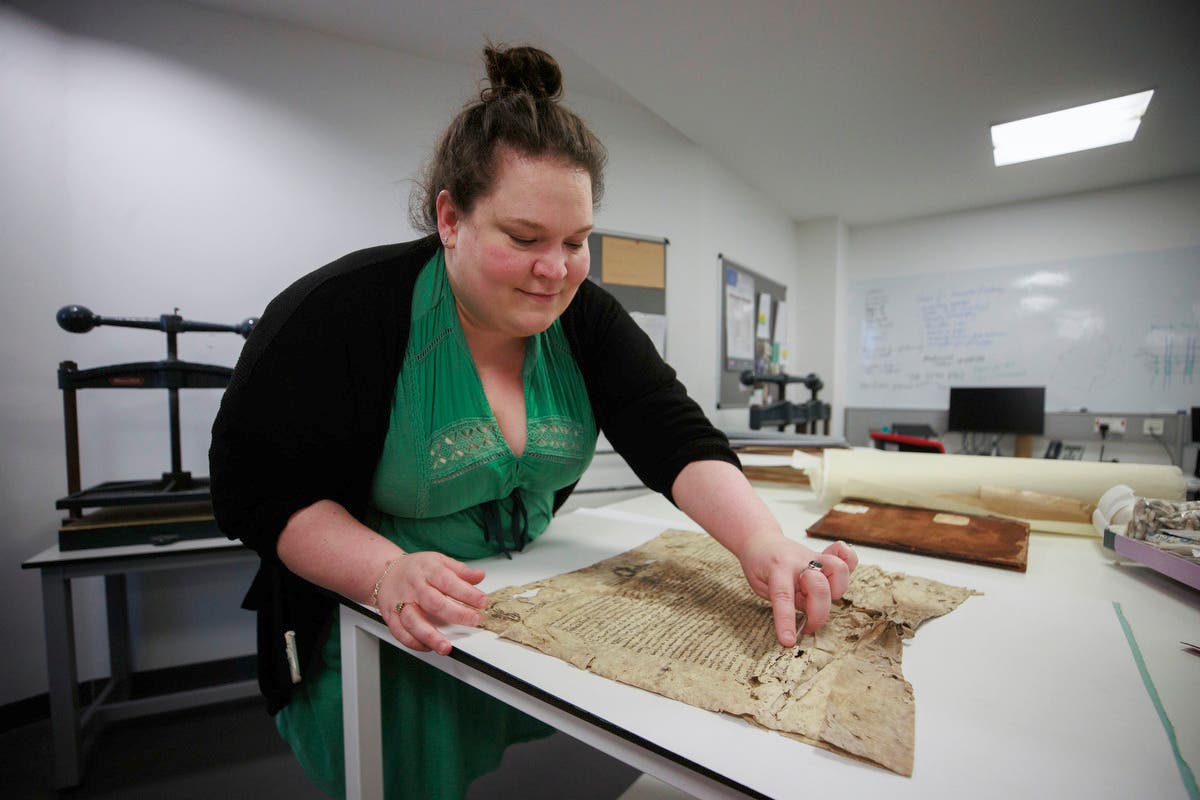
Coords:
655,326
764,316
781,332
739,318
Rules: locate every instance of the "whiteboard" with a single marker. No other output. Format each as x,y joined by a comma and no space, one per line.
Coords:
1110,333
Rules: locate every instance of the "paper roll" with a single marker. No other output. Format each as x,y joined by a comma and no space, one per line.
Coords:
949,482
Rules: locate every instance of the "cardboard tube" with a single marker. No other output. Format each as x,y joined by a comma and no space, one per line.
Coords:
946,482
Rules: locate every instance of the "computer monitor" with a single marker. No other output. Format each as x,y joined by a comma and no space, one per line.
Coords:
998,409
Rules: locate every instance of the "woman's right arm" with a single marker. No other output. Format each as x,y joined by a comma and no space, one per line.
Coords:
324,544
300,429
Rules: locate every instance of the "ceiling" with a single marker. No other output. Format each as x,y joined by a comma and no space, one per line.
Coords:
869,110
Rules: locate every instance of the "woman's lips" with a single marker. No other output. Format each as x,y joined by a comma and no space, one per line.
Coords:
539,296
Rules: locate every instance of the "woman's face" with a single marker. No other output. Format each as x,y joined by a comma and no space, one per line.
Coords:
517,259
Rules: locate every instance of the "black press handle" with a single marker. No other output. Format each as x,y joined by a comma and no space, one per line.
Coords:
80,319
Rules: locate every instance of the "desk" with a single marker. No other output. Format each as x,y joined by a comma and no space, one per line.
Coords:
68,721
1029,690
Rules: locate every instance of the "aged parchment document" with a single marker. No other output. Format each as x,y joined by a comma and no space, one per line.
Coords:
676,616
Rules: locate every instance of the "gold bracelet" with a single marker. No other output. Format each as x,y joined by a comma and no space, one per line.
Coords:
379,583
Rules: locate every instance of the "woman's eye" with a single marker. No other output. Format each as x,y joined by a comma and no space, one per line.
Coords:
575,245
521,241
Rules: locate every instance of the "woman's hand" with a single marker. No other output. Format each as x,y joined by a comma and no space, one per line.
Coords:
779,571
324,544
717,495
430,589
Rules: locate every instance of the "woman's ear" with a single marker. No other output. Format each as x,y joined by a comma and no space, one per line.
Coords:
447,219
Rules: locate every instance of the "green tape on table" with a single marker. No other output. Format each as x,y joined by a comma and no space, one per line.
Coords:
1185,772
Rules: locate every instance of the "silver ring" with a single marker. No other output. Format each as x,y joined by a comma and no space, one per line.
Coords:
817,565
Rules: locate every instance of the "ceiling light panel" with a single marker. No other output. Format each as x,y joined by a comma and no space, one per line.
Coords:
1068,131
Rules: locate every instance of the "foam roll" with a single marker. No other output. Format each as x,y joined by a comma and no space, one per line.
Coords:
848,473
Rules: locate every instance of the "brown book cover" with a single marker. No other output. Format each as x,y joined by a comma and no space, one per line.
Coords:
992,541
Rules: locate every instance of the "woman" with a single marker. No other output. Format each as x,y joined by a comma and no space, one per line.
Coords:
412,405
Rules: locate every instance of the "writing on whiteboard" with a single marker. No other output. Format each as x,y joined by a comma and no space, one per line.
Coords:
1119,332
948,347
1170,353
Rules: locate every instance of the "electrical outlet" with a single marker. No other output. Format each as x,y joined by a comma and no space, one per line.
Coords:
1115,424
1152,427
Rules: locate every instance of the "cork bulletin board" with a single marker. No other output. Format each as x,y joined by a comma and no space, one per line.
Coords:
634,270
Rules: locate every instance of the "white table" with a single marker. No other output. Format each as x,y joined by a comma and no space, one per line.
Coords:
69,722
1029,690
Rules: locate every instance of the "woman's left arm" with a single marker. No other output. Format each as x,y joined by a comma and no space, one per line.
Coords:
719,498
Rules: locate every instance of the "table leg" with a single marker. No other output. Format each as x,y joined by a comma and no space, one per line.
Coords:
63,676
361,722
120,655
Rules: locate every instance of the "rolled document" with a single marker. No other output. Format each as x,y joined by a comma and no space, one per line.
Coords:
967,484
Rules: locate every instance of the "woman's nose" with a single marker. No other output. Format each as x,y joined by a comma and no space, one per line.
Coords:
551,265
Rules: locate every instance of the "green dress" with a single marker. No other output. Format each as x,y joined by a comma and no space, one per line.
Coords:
447,481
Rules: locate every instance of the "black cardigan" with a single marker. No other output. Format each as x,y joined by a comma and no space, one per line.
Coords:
306,413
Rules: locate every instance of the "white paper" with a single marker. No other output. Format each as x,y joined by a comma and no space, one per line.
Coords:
781,326
655,326
739,319
806,462
764,316
764,460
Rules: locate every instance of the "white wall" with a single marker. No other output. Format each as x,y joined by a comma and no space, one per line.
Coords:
158,155
660,184
1151,216
1161,215
823,250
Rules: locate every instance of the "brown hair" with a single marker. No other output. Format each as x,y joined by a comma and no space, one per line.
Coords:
518,109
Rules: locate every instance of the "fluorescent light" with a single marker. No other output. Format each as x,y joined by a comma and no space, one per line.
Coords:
1080,128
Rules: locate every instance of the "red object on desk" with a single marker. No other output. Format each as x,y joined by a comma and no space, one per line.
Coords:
907,443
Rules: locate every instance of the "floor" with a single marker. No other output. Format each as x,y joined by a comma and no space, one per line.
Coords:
231,751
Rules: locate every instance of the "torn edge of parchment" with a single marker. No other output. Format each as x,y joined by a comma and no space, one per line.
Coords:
675,616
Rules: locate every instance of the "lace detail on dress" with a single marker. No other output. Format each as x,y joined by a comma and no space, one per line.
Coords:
463,445
470,443
429,348
560,438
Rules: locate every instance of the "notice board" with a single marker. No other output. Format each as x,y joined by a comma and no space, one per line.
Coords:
753,317
634,270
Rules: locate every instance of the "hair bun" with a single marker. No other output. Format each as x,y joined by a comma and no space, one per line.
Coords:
522,69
